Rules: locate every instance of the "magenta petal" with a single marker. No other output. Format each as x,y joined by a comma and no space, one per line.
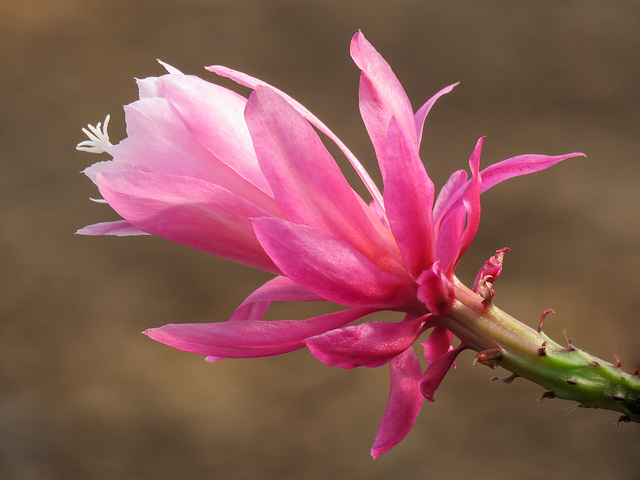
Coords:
436,372
434,289
405,401
381,97
449,195
423,111
251,338
119,228
279,289
519,165
370,344
252,82
408,196
437,344
471,201
329,266
188,211
308,185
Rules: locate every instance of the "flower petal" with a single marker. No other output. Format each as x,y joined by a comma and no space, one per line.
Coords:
329,266
437,344
405,401
280,289
370,344
120,228
423,111
436,372
471,201
215,116
251,338
519,165
408,196
381,97
188,211
307,183
251,82
158,141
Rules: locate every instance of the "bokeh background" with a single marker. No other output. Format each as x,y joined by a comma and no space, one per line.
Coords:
83,395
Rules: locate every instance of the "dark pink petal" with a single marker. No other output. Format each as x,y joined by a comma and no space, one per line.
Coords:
423,111
370,344
435,290
188,211
449,237
436,371
450,194
405,401
308,185
520,165
119,228
381,97
471,202
408,197
215,116
329,266
251,82
279,289
437,344
251,338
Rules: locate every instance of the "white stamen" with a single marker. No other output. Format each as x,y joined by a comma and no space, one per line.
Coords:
98,138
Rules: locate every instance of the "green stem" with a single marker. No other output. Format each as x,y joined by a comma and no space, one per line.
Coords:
565,371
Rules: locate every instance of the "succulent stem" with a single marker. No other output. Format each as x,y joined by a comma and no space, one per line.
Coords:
565,372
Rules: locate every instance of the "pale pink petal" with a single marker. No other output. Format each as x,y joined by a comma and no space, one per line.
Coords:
423,111
251,338
329,266
436,372
405,401
308,185
408,196
215,116
381,97
370,344
92,171
188,211
437,344
279,289
251,82
159,141
519,165
120,228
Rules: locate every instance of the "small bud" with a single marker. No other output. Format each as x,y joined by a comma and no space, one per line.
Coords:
618,397
491,357
572,381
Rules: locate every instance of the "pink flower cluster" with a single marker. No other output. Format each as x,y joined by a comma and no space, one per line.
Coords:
249,180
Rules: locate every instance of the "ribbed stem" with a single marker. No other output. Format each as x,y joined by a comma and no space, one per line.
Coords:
564,371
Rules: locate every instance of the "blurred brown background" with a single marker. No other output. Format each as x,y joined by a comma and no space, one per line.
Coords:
84,396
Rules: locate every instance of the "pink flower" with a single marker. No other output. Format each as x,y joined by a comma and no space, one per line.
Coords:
251,181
